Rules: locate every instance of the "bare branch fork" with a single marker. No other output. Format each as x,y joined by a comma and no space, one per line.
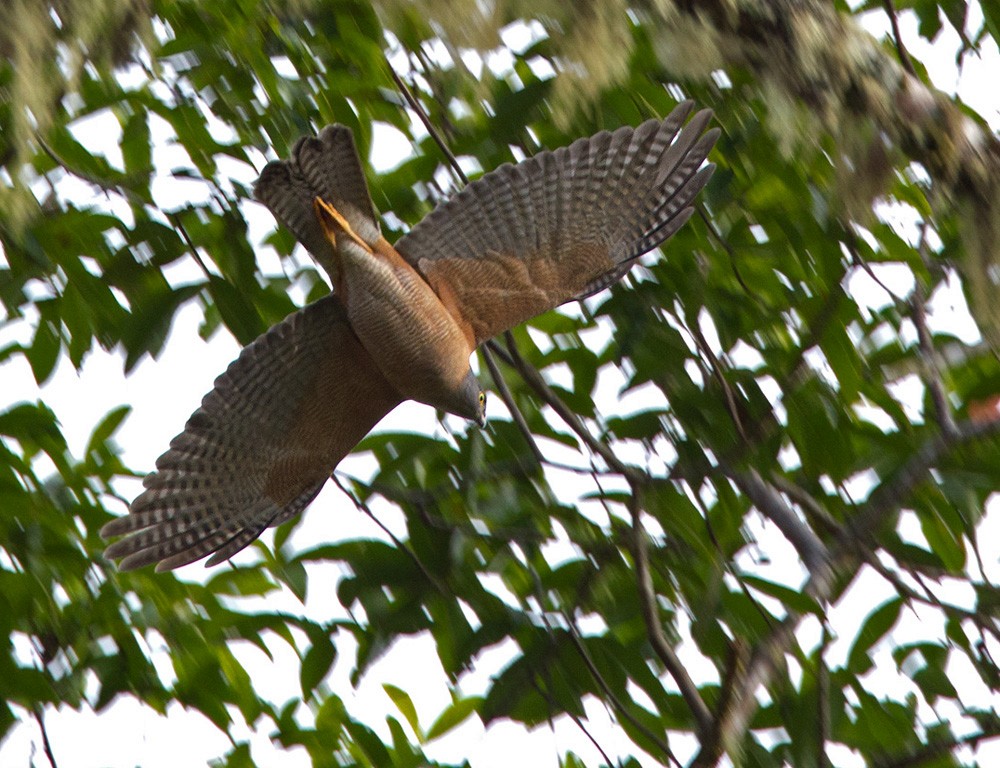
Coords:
767,500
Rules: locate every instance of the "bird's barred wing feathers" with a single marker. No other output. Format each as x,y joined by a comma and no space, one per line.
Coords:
564,224
261,445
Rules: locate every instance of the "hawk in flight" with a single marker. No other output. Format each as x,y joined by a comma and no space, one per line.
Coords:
403,320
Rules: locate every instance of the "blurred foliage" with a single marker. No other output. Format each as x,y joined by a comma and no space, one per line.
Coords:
761,354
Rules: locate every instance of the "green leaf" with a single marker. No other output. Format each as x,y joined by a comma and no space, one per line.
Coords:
242,582
136,145
30,423
43,354
795,599
238,314
991,17
873,629
107,427
146,332
370,744
453,716
316,662
405,706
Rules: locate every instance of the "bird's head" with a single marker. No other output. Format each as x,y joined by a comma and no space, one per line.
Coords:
471,402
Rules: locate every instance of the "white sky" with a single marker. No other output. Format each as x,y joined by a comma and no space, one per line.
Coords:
164,392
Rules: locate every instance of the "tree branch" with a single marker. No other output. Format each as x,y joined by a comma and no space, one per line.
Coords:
808,502
936,749
426,120
534,380
812,551
362,507
46,744
930,365
904,56
508,398
886,499
718,373
765,661
553,704
732,722
574,634
647,600
823,699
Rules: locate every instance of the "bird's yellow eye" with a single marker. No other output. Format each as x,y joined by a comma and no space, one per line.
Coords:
482,398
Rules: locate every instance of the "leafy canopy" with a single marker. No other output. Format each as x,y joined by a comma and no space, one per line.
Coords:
791,359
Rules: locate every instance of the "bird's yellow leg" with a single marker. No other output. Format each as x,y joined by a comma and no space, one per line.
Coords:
333,223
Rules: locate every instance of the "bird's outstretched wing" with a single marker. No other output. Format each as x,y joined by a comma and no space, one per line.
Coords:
325,166
561,225
261,445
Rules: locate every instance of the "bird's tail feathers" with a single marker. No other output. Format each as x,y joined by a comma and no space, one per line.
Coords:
325,166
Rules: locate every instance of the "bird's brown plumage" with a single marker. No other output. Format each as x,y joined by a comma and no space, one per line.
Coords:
402,321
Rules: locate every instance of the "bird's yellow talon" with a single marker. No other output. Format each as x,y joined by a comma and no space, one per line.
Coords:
334,223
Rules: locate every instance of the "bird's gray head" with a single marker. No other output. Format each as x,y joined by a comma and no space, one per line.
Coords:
471,400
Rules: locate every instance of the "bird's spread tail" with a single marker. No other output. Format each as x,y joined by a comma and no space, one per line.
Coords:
326,167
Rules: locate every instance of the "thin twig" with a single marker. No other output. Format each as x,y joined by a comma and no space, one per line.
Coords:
174,219
930,365
421,500
571,715
904,56
927,597
46,744
425,119
542,388
718,372
928,752
574,633
362,507
104,185
765,426
548,692
129,195
823,698
647,601
728,248
508,399
496,350
850,241
550,630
